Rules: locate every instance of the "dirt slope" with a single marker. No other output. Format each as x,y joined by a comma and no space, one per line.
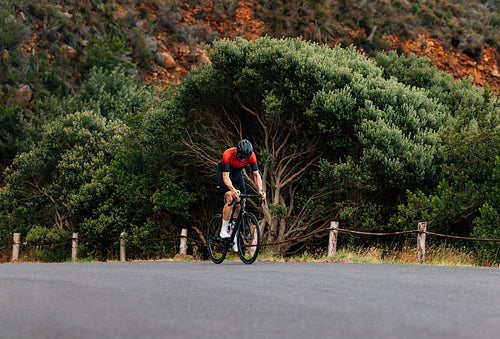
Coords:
244,24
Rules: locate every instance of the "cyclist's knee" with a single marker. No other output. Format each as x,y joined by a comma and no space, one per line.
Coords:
228,197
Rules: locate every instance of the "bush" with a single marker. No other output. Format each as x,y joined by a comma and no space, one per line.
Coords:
49,244
45,77
142,247
466,197
169,14
9,133
141,53
111,93
488,221
107,53
488,227
13,32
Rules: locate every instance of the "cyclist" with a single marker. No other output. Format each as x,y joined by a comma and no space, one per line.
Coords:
230,179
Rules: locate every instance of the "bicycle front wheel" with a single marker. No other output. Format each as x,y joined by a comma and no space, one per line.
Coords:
217,247
249,238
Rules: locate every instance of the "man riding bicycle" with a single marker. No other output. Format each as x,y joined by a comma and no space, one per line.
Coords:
230,179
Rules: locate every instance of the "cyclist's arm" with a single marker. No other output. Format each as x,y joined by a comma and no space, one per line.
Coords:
229,184
258,182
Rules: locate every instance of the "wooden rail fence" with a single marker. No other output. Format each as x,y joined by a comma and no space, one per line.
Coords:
16,245
421,232
334,230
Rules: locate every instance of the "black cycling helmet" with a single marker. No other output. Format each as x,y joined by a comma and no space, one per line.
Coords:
244,149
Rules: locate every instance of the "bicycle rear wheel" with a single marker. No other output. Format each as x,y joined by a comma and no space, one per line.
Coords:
249,238
217,247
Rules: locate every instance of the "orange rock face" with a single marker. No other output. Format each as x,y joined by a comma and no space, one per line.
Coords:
175,57
484,71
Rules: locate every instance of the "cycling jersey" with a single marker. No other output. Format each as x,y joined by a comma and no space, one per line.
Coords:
230,163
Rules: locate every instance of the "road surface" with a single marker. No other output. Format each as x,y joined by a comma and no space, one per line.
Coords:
232,300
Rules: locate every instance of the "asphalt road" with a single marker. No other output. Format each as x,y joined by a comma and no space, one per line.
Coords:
233,300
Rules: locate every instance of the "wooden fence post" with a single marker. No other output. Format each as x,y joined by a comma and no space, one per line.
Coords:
422,227
74,247
123,256
332,241
183,246
16,246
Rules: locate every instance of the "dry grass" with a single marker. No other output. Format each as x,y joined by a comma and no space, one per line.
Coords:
5,256
446,255
440,255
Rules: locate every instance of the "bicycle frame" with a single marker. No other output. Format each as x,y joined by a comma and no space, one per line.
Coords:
246,233
242,213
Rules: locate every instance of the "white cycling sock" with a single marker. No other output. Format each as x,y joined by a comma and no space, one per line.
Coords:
223,230
235,245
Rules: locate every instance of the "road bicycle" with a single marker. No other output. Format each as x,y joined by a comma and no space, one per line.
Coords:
246,234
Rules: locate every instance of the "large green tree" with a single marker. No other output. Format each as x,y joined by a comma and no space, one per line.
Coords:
149,199
299,102
10,129
58,181
100,163
465,199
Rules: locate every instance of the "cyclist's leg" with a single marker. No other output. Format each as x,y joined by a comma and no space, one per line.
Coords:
226,211
239,184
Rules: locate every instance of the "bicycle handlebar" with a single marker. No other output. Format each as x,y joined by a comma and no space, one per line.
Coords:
247,196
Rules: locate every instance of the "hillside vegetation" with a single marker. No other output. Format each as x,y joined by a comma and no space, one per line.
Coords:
114,114
164,38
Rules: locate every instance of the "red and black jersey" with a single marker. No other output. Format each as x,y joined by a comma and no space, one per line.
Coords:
231,163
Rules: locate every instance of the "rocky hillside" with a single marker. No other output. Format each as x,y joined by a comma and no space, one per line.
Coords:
484,70
245,21
49,46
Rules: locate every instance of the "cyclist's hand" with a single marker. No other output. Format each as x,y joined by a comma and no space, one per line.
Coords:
235,193
262,195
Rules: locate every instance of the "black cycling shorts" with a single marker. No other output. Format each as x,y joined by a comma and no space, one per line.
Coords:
236,179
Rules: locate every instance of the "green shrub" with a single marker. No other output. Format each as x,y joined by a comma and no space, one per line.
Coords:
469,192
141,53
45,77
107,53
9,133
488,221
168,16
488,227
142,247
49,244
111,93
13,32
494,20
